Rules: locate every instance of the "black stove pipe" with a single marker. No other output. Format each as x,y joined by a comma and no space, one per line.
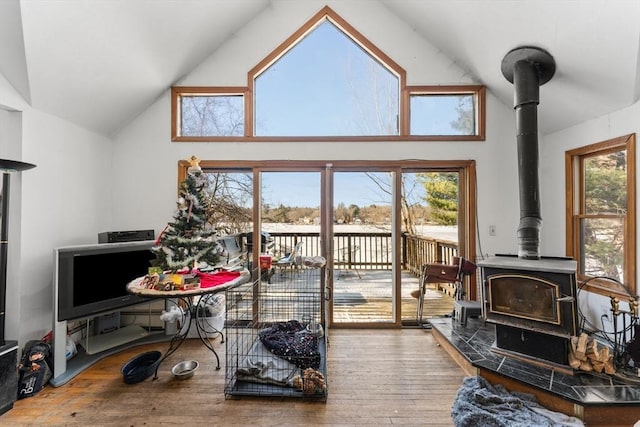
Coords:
528,68
4,226
6,167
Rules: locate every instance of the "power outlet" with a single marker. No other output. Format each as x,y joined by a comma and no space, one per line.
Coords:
492,230
605,313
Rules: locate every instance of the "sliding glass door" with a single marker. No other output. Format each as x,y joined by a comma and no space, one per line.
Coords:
363,262
376,223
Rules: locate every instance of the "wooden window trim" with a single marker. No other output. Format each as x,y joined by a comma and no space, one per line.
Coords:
479,93
465,168
574,211
176,97
326,13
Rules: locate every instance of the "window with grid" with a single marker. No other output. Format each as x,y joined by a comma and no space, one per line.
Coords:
601,214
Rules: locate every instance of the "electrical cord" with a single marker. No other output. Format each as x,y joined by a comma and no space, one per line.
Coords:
610,337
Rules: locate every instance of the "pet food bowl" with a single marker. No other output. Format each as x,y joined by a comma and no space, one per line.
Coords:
185,369
315,329
140,367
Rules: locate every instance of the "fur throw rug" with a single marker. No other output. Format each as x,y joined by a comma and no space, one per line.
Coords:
479,403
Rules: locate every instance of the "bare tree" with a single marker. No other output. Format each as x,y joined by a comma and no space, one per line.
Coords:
230,199
212,116
230,194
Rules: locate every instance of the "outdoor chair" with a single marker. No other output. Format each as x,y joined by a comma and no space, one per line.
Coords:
442,273
346,255
291,260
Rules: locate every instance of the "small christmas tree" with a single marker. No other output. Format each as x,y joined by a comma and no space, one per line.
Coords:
188,241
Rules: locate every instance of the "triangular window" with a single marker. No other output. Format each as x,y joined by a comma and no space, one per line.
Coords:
326,84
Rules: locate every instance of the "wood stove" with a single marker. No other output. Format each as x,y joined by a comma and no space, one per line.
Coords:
532,304
531,299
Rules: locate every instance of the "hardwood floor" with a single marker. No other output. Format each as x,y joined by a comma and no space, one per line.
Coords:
375,378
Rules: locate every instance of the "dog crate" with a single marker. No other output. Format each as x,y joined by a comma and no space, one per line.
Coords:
275,335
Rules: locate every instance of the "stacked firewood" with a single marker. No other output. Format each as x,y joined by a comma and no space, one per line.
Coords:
586,355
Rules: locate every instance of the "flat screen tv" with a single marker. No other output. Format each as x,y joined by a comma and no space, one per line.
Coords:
92,279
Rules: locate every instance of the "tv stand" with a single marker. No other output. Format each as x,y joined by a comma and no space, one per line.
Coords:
98,343
100,346
96,347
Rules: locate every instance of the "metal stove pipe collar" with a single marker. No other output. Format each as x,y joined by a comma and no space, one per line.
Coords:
529,238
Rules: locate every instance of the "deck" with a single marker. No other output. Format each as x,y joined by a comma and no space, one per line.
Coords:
366,296
362,277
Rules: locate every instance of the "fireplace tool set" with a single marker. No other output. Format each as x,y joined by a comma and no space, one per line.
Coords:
626,335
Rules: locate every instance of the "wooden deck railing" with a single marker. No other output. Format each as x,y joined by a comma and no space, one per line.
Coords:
419,250
370,251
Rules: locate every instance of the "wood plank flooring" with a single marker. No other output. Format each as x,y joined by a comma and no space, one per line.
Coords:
375,378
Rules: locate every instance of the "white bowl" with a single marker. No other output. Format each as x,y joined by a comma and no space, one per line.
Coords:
315,329
185,369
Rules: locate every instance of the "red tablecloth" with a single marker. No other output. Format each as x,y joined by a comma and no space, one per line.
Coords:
209,280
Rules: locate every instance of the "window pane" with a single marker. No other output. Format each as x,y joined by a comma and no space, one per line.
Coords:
441,196
603,219
213,115
326,85
605,184
602,247
231,195
443,114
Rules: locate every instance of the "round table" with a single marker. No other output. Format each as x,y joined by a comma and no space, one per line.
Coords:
193,304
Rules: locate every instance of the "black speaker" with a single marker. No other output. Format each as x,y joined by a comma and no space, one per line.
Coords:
8,375
125,236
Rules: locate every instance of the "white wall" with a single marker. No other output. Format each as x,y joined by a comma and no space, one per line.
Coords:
85,183
552,184
145,152
64,200
11,148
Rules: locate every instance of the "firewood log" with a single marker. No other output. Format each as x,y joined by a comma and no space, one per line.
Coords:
585,365
574,343
573,360
607,358
608,366
586,355
592,350
581,348
597,365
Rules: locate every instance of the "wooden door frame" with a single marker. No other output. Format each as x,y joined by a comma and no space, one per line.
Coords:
466,215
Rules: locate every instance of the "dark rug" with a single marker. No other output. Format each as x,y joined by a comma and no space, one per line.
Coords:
349,298
479,403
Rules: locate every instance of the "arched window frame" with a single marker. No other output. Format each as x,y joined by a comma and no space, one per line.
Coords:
405,93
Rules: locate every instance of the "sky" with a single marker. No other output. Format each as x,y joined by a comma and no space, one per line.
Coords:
302,189
329,85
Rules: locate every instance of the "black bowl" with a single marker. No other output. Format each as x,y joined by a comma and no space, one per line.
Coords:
140,367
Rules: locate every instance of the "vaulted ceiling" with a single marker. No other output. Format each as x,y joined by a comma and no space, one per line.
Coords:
100,63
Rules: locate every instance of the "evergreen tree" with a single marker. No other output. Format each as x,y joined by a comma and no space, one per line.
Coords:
188,241
442,196
605,201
